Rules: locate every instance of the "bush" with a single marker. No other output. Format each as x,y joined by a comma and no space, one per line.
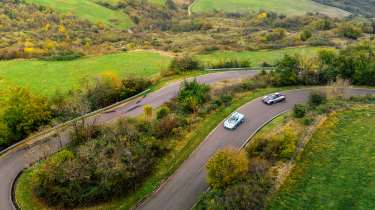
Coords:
350,31
192,95
299,111
226,167
275,147
231,63
305,35
184,63
316,99
109,164
163,112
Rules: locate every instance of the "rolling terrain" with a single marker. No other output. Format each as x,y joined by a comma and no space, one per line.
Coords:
289,7
256,58
89,10
336,170
45,77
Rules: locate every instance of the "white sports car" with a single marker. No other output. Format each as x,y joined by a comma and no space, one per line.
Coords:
234,121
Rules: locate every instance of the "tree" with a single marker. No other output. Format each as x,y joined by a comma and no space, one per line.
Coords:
25,113
287,70
192,95
227,167
147,109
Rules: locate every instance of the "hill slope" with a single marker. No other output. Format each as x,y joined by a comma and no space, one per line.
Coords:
47,76
336,170
89,10
361,7
289,7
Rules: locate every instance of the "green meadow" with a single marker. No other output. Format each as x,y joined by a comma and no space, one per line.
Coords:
46,77
256,57
288,7
336,170
89,10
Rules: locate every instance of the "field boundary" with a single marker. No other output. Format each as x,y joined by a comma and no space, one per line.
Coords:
31,140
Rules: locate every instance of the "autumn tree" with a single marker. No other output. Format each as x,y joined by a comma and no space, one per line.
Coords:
227,167
25,113
147,109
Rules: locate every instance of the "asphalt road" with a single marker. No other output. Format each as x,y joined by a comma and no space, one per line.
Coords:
183,188
13,162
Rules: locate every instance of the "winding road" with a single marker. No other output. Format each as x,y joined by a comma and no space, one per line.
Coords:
183,188
21,157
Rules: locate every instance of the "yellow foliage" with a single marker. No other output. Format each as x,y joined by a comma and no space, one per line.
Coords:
28,44
262,15
47,27
226,167
62,29
49,44
112,77
147,109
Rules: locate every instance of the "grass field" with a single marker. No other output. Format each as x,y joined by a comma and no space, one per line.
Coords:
88,9
336,171
256,57
180,151
289,7
46,77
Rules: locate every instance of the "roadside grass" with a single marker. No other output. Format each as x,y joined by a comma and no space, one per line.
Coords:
45,77
89,10
336,170
181,149
256,57
288,7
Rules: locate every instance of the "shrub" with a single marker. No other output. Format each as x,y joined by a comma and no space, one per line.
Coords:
184,63
305,35
299,111
226,167
231,63
107,165
316,99
192,95
350,31
163,112
133,85
275,147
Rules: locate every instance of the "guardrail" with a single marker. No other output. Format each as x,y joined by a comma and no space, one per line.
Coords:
51,131
239,69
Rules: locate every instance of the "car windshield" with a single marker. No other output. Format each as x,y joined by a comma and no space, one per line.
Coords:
274,96
233,118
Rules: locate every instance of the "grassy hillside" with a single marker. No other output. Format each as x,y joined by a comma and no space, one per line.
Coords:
336,170
290,7
256,57
47,76
88,9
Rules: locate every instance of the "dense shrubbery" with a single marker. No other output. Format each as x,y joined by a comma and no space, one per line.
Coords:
112,161
230,63
277,146
192,95
184,63
355,63
24,113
